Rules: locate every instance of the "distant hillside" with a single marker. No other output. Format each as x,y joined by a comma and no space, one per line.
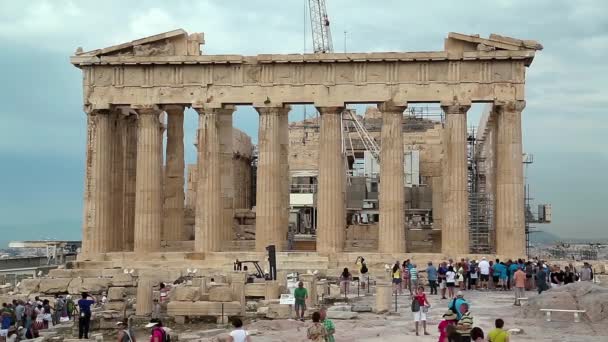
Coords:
542,237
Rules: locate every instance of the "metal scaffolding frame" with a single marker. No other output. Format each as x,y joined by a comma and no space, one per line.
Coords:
481,203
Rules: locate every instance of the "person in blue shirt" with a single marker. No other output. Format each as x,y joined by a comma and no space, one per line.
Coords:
84,321
512,269
455,304
500,274
431,273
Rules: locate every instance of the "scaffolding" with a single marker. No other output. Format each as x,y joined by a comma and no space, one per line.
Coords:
481,206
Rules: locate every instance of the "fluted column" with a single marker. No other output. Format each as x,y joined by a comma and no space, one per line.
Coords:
97,222
391,231
226,170
129,179
118,133
270,209
510,226
285,177
455,230
208,219
173,227
148,185
331,206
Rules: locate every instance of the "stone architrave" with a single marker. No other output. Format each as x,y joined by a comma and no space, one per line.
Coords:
510,226
148,186
455,230
331,207
173,226
97,232
270,210
391,229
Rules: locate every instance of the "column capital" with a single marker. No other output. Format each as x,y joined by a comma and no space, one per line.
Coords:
273,110
146,109
330,110
455,107
510,106
206,109
173,108
391,107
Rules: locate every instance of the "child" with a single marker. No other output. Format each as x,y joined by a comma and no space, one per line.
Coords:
239,334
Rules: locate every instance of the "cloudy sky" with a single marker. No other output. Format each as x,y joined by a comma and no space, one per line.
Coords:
42,132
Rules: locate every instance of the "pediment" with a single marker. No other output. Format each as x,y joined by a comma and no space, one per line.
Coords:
172,43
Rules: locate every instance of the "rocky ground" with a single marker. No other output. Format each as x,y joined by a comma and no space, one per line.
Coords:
367,326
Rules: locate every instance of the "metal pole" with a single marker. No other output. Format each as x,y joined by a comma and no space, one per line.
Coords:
222,313
358,286
368,285
395,301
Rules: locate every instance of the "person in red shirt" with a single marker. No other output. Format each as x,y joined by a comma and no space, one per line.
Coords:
424,304
449,319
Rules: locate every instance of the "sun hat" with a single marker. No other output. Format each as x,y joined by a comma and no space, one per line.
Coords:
151,324
449,315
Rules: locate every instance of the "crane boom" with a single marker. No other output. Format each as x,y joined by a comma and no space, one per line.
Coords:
319,23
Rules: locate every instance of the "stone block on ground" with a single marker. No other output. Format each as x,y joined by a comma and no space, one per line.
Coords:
28,286
220,294
361,308
177,308
186,293
116,293
90,285
123,280
342,315
115,305
52,286
279,311
339,308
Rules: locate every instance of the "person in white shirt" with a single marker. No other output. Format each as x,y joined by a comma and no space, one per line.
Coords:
239,334
450,279
484,273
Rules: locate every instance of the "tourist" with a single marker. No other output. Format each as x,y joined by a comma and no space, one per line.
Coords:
7,317
455,304
477,335
19,313
60,309
557,276
512,267
453,334
158,334
125,334
449,319
301,295
363,272
46,314
420,307
498,334
520,285
450,280
460,277
473,275
396,274
498,274
568,276
316,332
164,292
465,323
441,278
413,277
431,273
84,304
28,315
11,335
239,334
529,269
405,274
541,280
492,281
330,328
156,309
70,306
484,273
464,264
345,279
586,272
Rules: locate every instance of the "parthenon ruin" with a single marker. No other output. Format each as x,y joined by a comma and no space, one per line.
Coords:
134,201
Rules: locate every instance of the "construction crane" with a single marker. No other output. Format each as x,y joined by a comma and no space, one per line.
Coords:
319,24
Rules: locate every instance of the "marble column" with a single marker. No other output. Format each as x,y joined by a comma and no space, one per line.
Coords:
510,225
148,185
455,230
118,133
331,206
144,295
173,226
97,227
270,209
285,177
226,170
208,217
391,229
129,179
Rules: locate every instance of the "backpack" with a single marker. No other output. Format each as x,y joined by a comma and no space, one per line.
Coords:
415,305
452,306
166,337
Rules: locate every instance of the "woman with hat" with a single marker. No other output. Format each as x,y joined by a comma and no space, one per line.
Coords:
449,318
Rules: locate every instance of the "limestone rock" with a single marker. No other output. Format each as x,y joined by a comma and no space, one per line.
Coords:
90,285
278,311
515,331
361,308
28,286
342,315
116,306
252,306
61,273
185,293
123,280
220,294
52,286
339,308
263,310
116,293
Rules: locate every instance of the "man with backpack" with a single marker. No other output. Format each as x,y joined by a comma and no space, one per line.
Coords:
455,304
125,334
159,334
